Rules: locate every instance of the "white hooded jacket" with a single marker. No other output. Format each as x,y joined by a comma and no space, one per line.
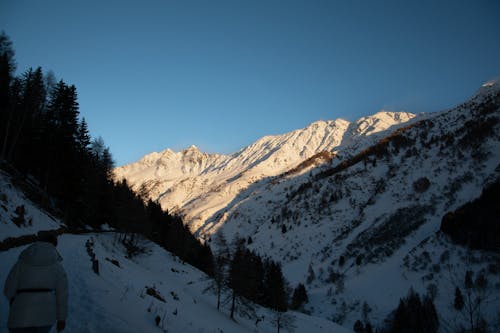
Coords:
37,287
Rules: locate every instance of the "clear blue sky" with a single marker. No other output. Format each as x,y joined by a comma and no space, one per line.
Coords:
220,74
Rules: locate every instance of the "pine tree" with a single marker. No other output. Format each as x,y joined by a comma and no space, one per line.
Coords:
310,274
20,218
102,155
236,278
468,280
245,278
276,290
82,137
24,117
358,327
458,302
63,170
341,261
275,287
7,68
430,320
415,316
8,115
299,297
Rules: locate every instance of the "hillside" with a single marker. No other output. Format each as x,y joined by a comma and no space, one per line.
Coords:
359,225
128,294
380,210
196,184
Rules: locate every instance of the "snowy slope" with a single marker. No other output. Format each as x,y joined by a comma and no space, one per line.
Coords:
11,199
378,203
381,207
197,184
116,300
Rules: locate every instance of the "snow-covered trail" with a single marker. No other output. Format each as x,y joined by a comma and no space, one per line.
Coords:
116,299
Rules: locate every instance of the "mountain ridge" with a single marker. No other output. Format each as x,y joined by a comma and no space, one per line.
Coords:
177,178
365,227
360,225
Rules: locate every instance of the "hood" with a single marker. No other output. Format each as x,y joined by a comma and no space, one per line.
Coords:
40,254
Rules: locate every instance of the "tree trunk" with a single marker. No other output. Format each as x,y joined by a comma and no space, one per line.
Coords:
218,297
233,303
3,154
16,138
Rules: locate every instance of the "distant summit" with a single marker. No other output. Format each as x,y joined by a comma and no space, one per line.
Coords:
197,184
352,210
491,83
191,148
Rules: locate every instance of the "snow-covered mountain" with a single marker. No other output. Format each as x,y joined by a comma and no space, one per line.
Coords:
352,210
197,184
151,292
363,229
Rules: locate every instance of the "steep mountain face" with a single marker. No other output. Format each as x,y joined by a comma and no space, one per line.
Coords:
364,228
353,210
153,291
197,184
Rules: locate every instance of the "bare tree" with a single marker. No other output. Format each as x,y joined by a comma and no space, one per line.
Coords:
221,261
283,320
470,299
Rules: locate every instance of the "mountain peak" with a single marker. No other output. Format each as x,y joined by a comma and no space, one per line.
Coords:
328,123
216,179
490,86
191,150
491,83
394,115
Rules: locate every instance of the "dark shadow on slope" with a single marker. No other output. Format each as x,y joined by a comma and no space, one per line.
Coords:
469,136
321,172
477,223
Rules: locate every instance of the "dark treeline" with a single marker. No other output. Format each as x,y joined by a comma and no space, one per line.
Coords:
477,223
414,315
44,138
260,281
249,277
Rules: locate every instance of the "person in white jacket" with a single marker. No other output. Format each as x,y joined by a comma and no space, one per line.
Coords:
37,289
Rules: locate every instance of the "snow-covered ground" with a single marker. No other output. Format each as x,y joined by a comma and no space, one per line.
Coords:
381,213
375,209
116,299
362,212
12,199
